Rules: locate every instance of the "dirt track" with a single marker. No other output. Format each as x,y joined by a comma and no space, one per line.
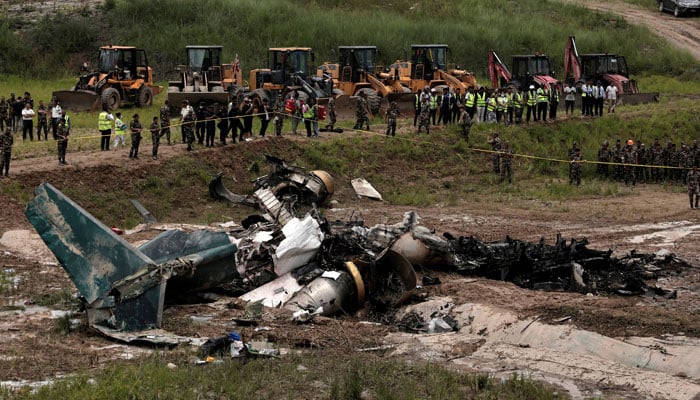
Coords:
683,33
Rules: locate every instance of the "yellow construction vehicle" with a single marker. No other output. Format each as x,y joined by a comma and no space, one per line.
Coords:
355,73
123,76
288,70
204,80
428,67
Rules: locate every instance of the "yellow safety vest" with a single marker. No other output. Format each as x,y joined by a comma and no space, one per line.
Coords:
542,96
481,99
531,101
469,100
119,127
490,104
433,102
517,100
103,122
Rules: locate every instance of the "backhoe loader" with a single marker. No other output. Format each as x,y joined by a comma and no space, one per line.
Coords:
428,67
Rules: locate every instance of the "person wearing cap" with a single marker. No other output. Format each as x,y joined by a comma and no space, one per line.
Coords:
657,160
629,161
642,159
136,128
693,180
531,103
362,112
618,154
200,126
104,124
569,98
424,118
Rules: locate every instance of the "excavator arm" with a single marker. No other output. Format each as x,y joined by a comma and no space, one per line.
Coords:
497,70
572,63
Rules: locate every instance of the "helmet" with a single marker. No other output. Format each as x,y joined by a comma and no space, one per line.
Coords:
630,141
532,87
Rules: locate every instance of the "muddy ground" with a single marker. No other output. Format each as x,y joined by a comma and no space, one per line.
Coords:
488,311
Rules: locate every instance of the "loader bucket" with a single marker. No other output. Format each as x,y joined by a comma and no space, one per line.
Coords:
345,107
78,100
195,98
639,98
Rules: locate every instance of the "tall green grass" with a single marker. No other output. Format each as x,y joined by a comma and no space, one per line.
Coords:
249,27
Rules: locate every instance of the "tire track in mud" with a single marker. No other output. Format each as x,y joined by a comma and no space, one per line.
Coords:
683,33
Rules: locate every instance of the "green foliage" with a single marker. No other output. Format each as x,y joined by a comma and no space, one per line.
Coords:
332,377
249,27
60,299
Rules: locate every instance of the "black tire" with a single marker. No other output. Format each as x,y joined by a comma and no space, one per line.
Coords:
111,98
145,96
373,99
258,96
236,92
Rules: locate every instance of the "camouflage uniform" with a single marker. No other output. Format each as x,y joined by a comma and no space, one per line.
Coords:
188,130
630,157
3,113
62,142
465,122
361,113
642,169
685,161
506,163
693,186
617,154
391,114
604,155
657,160
424,117
331,114
6,142
575,168
42,121
165,122
279,115
496,147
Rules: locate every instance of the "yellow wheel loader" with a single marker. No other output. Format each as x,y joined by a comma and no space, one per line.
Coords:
123,76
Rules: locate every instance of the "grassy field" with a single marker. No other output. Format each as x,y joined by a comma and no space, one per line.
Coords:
248,28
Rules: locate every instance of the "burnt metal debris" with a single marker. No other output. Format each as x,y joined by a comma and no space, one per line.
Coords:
305,263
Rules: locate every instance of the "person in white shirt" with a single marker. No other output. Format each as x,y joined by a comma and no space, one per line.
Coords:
569,98
27,121
611,97
55,117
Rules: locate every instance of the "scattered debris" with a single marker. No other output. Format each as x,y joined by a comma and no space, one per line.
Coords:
365,189
307,264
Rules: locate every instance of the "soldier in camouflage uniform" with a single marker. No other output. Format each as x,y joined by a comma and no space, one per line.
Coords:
42,120
3,113
667,157
496,148
642,169
279,114
465,121
693,186
391,114
617,154
6,142
165,121
506,163
362,112
629,158
575,167
685,161
62,143
657,162
331,114
604,155
424,117
188,130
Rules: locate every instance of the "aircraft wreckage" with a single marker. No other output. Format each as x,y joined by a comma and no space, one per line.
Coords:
305,263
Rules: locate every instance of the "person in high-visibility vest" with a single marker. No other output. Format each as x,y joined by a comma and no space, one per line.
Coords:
433,102
470,103
308,113
553,102
491,105
531,104
416,108
104,125
481,105
518,105
502,107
